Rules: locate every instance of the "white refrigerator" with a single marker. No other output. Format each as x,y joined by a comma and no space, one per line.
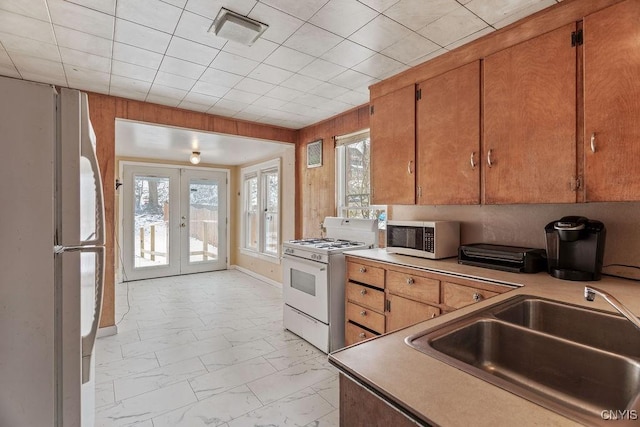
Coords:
51,256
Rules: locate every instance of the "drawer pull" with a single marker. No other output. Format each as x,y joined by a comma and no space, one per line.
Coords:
410,281
477,296
363,292
363,270
363,313
361,335
433,315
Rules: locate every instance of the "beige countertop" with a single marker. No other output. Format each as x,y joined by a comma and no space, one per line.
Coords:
440,394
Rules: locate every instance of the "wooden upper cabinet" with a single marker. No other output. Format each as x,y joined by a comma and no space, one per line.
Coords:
448,137
612,103
529,139
393,127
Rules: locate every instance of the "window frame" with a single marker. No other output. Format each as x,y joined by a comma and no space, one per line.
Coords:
260,172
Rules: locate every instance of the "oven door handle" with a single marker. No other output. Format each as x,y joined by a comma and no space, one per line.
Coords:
318,265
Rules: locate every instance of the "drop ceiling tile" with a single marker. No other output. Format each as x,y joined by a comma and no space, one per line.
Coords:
300,9
9,70
178,3
166,91
82,41
104,6
453,26
378,65
289,59
470,38
135,55
162,100
268,102
150,13
182,68
281,25
191,51
32,8
410,48
200,98
79,77
23,26
257,52
380,33
353,98
284,93
39,70
174,81
210,8
352,79
248,116
311,100
81,18
322,70
379,5
254,86
334,106
142,37
416,14
270,74
210,89
301,83
523,12
133,71
347,54
221,78
221,111
196,28
493,11
230,105
127,93
428,57
328,90
343,17
312,40
241,96
234,63
192,106
24,46
126,84
293,107
85,60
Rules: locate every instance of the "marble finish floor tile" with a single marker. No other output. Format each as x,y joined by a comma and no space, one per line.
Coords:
209,349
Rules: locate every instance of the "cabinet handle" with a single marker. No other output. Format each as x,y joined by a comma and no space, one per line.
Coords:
489,157
361,335
433,315
473,163
410,281
363,270
363,292
593,142
363,313
477,296
409,167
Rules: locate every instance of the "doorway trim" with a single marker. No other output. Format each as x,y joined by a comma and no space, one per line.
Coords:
120,200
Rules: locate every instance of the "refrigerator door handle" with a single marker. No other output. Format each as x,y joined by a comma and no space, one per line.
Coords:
89,340
88,151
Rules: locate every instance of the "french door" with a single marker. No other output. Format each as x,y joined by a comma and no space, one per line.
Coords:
174,221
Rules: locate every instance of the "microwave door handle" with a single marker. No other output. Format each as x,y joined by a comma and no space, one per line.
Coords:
87,150
89,340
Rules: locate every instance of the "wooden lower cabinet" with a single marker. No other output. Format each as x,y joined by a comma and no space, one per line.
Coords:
359,407
355,333
458,296
403,312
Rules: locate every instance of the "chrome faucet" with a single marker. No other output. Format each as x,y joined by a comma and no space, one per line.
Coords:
590,295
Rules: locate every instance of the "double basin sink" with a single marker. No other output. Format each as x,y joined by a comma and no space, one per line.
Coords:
581,363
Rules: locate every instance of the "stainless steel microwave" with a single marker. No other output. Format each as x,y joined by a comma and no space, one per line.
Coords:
426,239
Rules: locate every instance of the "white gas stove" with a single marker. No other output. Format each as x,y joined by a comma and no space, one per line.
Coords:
313,282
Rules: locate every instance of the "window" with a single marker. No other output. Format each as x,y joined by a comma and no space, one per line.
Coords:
353,178
261,210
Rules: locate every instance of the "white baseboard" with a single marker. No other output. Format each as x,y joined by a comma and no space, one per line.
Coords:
257,276
107,331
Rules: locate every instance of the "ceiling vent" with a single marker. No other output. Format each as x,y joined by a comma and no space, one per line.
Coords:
238,28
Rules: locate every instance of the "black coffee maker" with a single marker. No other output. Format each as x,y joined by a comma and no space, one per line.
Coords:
575,248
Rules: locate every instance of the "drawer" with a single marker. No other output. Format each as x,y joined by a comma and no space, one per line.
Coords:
365,317
366,296
354,333
458,296
373,276
413,286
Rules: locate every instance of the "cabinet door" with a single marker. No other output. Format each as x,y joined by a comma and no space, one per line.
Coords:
530,121
393,147
448,137
405,312
612,103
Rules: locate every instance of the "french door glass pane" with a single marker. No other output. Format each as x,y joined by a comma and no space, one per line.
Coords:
272,193
251,231
151,217
203,224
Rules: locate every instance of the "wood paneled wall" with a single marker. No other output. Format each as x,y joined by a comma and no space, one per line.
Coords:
104,110
315,187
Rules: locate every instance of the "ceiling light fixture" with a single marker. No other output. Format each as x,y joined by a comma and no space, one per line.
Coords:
238,28
195,157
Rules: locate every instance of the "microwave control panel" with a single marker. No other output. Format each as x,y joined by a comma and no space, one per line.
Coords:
429,239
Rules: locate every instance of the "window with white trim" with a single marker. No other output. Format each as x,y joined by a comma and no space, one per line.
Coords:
353,178
261,210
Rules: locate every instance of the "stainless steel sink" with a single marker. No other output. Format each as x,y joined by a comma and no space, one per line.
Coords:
572,360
